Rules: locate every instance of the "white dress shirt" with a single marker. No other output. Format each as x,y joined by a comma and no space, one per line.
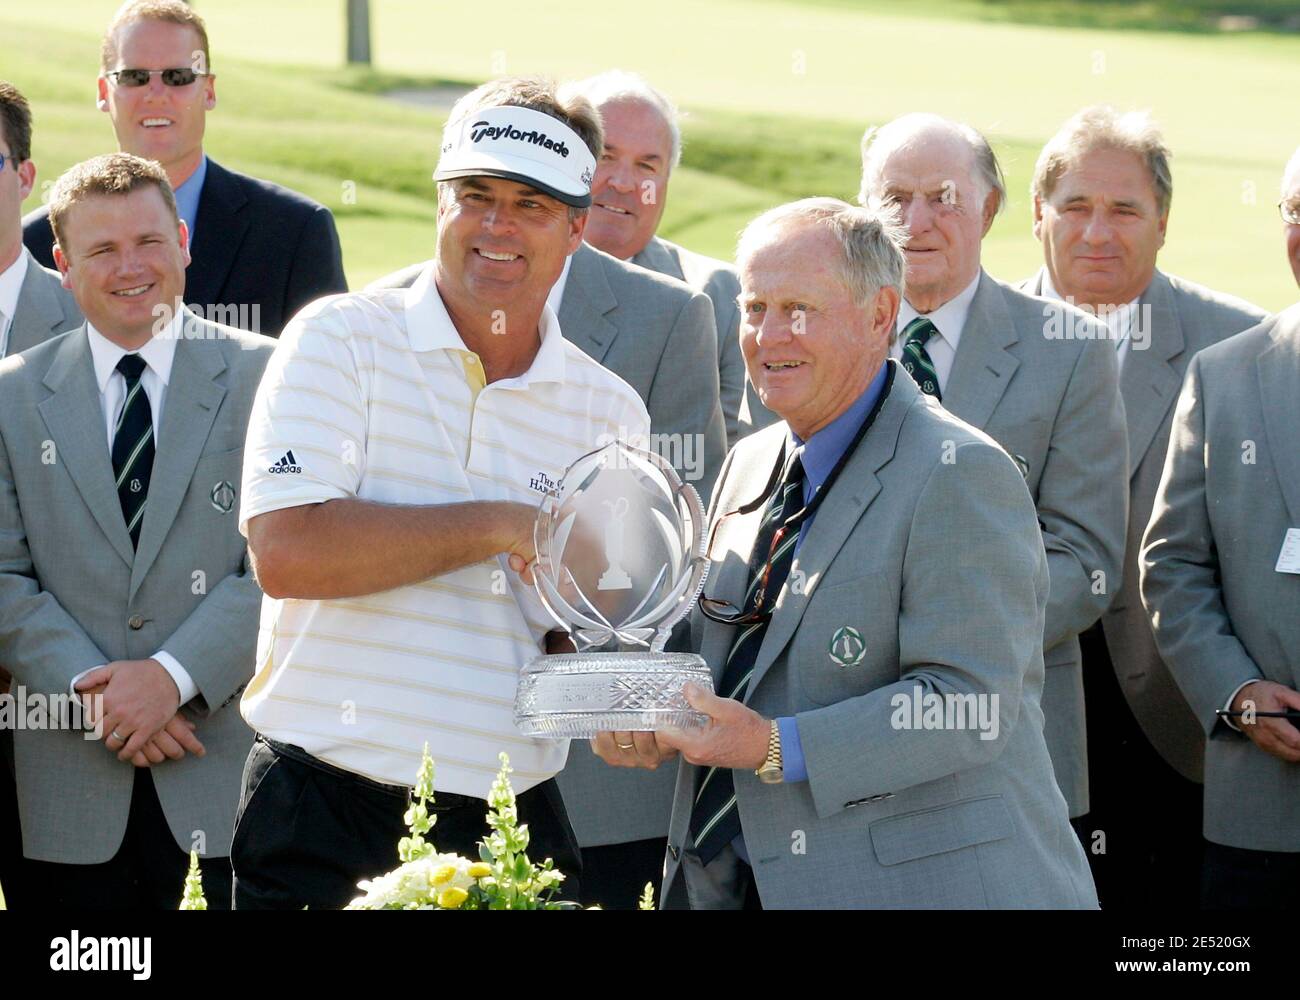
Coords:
949,319
557,289
1118,319
11,286
158,355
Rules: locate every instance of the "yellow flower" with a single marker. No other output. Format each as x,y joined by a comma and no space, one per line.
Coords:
451,898
479,870
443,874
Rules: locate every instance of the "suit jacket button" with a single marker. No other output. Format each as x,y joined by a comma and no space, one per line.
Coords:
136,622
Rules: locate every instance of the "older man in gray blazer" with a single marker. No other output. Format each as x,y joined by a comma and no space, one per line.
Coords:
34,307
122,572
1221,579
1102,190
1037,377
643,146
876,563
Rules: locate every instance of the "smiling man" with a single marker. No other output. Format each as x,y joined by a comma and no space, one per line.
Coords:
122,572
1036,376
869,552
1102,190
400,445
260,252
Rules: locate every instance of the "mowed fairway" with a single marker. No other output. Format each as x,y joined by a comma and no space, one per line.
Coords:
778,94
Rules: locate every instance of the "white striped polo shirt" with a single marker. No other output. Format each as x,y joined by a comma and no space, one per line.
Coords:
374,395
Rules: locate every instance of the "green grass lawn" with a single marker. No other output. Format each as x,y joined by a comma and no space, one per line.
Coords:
778,93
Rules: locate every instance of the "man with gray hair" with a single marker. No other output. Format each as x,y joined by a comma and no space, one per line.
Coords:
643,146
1220,576
1102,189
621,817
1037,377
856,548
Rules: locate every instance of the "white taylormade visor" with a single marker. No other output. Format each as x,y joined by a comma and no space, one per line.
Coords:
522,145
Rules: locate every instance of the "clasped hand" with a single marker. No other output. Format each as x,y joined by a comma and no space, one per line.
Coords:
138,710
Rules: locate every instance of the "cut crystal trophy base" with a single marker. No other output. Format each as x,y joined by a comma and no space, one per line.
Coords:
577,695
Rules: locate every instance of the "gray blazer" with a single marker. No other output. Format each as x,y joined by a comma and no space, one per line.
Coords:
1184,318
657,335
1223,616
718,281
45,308
1054,404
928,546
74,595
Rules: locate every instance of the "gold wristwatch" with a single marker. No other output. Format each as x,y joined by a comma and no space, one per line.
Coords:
770,771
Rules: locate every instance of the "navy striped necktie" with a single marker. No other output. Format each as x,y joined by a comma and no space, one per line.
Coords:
133,446
715,821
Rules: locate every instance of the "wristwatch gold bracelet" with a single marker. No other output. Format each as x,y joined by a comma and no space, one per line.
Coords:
771,771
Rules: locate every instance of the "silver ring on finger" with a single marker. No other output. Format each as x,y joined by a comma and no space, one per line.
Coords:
118,736
625,746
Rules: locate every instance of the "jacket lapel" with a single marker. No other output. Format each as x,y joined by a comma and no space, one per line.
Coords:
849,498
1278,367
221,226
1149,383
983,367
191,404
75,420
587,299
40,313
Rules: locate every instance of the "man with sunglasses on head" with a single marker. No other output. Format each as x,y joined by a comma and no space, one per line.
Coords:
873,557
260,251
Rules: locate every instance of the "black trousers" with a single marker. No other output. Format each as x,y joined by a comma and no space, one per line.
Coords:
11,837
1237,879
147,873
1149,814
614,876
307,832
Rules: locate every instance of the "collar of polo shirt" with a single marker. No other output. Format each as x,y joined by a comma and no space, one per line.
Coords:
429,328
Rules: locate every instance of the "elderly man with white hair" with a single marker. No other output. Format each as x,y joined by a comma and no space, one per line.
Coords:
1220,576
872,557
1102,189
643,146
1037,377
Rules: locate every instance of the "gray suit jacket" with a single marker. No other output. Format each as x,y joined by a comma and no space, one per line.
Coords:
718,281
45,308
1054,403
74,595
928,546
1223,615
1183,319
657,335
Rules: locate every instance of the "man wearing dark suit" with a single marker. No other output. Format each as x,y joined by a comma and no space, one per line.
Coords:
260,252
123,577
1102,191
1037,377
34,307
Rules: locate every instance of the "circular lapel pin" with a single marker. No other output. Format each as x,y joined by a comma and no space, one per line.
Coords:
223,497
847,646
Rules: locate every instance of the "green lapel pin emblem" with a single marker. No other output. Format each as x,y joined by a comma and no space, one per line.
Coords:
847,646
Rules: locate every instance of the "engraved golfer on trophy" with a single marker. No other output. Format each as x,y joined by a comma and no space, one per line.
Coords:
620,559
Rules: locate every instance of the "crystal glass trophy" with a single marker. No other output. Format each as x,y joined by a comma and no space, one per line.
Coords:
620,560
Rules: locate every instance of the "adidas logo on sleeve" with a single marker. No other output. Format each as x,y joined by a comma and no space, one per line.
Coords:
286,464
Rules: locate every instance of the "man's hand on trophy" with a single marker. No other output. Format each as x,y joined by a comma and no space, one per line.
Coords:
645,750
515,537
736,736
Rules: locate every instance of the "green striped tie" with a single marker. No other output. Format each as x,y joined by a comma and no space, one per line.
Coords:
916,359
133,446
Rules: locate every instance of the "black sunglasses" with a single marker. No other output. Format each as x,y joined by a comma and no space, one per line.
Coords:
181,77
